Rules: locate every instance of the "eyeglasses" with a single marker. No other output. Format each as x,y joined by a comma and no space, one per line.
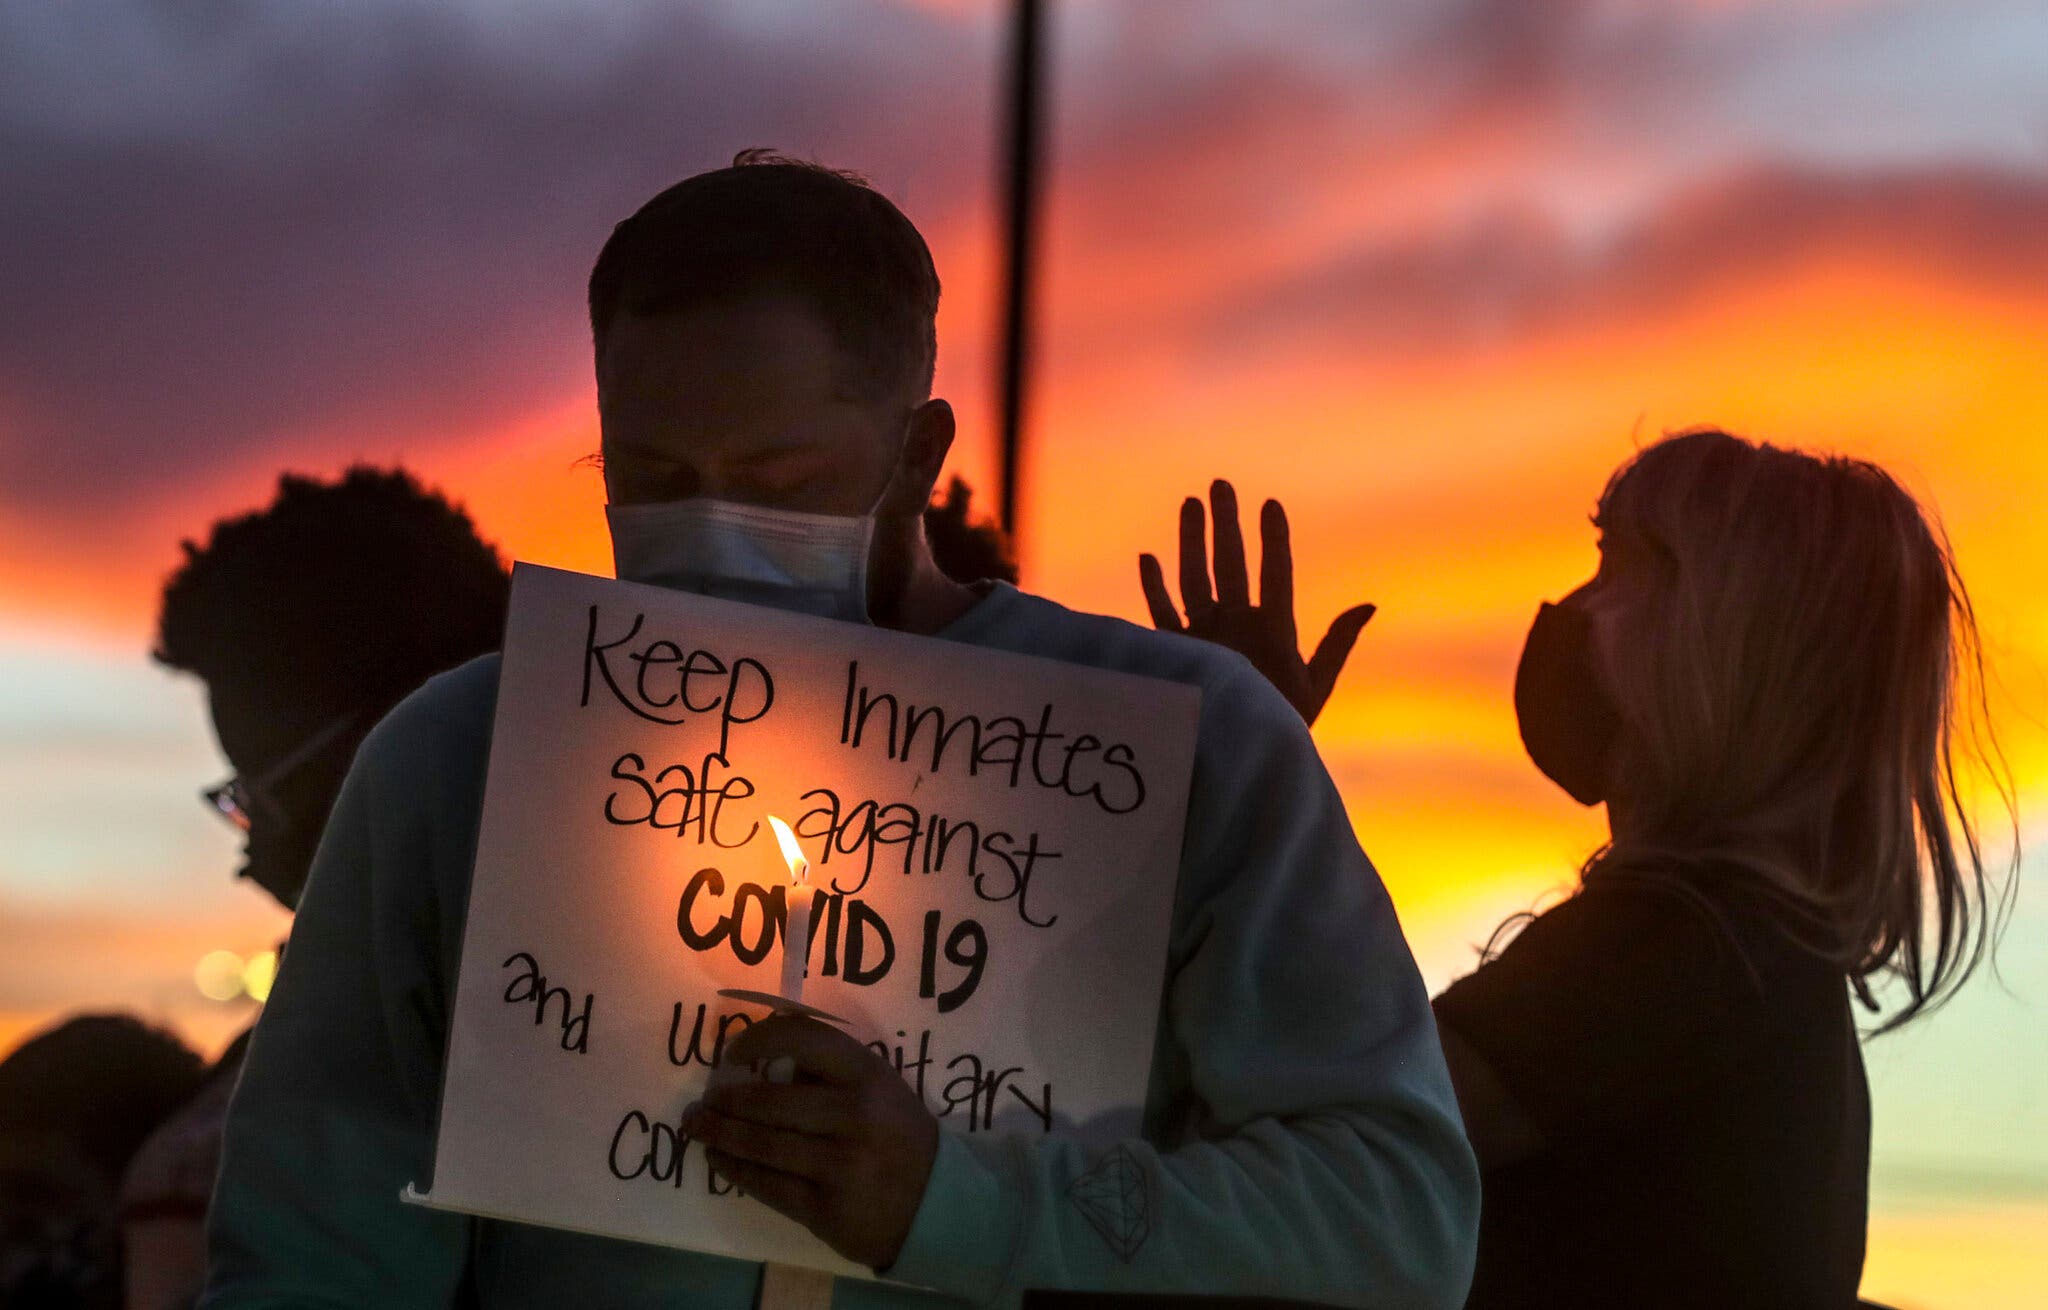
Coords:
236,799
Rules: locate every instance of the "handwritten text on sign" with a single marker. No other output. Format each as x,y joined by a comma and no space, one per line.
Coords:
993,842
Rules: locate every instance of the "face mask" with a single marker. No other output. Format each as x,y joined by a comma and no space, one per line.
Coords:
1568,722
280,863
784,559
271,808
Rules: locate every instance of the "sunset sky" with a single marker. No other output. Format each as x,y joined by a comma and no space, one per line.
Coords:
1425,270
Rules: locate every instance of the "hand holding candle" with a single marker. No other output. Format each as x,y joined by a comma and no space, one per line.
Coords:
846,1153
864,1209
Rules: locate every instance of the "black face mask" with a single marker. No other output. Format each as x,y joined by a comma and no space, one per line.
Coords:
1568,722
278,856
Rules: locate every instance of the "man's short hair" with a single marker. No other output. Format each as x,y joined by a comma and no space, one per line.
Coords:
344,595
772,224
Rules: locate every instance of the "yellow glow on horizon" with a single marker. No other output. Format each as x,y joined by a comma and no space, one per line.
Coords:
1983,1255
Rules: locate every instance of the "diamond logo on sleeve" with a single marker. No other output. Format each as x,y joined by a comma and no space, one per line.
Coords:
1115,1197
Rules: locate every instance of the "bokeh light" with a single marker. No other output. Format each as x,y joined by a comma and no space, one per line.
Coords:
258,974
218,975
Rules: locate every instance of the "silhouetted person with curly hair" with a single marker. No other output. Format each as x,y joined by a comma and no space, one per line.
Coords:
306,620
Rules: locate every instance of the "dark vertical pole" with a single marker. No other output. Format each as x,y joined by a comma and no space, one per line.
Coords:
1026,41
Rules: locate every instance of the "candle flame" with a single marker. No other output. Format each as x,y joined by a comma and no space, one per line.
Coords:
799,867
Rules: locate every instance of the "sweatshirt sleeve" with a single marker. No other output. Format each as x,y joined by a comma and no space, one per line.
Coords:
1319,1153
334,1112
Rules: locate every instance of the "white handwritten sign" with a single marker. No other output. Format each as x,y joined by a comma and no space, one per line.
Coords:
993,841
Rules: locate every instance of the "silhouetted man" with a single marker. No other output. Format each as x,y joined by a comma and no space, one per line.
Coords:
765,348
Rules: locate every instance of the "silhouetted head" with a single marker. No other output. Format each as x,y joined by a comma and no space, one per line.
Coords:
966,549
308,620
765,334
76,1100
1791,659
100,1082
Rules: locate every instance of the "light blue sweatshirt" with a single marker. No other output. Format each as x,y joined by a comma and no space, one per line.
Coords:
1301,1136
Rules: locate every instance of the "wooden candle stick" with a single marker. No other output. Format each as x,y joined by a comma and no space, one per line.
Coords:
788,1287
793,1287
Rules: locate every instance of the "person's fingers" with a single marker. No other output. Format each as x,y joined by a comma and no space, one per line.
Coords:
1194,560
1233,585
799,1154
799,1198
795,1107
1157,599
1334,649
820,1051
1276,567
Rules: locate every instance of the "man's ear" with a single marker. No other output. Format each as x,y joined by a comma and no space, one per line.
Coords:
925,446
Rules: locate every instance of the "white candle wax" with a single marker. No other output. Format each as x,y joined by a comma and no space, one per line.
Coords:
796,941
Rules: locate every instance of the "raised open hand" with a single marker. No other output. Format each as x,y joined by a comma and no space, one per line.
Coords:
1263,633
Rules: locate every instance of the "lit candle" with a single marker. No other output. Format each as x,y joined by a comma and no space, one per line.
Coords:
796,931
